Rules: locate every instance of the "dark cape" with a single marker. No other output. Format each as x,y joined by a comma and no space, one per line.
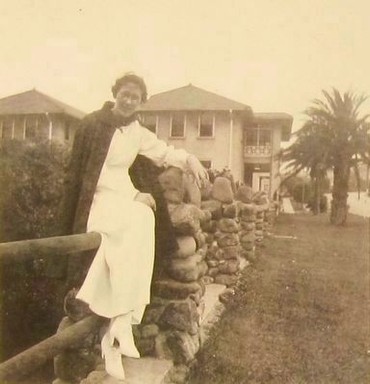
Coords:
90,148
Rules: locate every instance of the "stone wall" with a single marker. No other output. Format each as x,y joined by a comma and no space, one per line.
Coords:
223,255
216,229
247,219
170,327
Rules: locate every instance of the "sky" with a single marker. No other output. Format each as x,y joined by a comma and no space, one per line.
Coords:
273,55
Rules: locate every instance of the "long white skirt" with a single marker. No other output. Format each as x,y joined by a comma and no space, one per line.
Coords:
119,277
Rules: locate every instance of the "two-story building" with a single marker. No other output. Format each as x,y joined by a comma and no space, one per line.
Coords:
221,133
261,145
32,115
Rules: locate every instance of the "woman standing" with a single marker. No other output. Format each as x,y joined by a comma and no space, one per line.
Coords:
102,198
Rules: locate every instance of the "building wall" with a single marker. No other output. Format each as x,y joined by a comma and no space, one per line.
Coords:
36,127
58,132
18,127
24,126
270,161
215,149
64,128
237,163
275,163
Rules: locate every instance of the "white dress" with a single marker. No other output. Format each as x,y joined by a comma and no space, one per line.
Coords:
119,277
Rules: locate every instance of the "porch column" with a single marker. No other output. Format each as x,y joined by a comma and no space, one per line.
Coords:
24,127
156,124
50,135
272,181
13,128
213,124
230,162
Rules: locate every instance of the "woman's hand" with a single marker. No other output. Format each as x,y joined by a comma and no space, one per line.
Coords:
198,171
147,199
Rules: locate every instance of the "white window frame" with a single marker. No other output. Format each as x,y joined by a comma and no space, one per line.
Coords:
184,132
13,128
24,132
259,128
213,127
156,124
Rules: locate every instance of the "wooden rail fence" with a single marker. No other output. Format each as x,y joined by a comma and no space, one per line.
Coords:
18,251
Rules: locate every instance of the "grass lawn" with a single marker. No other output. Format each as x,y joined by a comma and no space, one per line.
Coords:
301,313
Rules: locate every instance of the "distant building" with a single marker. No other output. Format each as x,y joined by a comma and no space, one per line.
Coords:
261,144
32,115
221,133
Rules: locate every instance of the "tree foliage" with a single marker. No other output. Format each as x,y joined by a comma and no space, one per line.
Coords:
32,177
334,137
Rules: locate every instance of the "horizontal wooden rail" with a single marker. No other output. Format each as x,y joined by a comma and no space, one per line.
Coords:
18,251
31,359
48,247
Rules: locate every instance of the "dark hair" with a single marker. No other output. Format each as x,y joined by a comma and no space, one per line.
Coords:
130,78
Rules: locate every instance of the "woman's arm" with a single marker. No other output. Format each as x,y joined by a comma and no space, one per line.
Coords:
163,154
159,152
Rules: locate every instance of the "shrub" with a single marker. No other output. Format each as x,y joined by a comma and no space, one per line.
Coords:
323,204
302,193
33,175
33,178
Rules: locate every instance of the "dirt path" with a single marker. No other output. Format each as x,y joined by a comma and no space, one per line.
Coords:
301,314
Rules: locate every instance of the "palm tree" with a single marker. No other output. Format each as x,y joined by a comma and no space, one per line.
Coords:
309,152
334,137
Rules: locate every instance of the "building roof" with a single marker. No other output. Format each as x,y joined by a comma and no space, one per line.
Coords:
191,98
273,116
285,119
35,102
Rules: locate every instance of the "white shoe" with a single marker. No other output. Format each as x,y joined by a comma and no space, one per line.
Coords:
121,329
113,358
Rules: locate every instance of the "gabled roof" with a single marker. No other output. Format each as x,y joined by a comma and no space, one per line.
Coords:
191,98
35,102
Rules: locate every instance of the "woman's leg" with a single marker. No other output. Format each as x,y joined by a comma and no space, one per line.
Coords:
112,356
119,332
120,329
130,271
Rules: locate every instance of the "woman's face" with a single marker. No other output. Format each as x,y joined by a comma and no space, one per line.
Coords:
128,98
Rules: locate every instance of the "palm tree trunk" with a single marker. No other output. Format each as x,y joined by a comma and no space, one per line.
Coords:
317,195
339,209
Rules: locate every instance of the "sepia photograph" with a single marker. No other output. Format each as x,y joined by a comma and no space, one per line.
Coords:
185,192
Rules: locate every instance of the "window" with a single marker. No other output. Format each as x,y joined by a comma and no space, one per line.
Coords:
150,121
264,137
177,128
207,164
7,129
30,126
252,137
206,125
258,137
